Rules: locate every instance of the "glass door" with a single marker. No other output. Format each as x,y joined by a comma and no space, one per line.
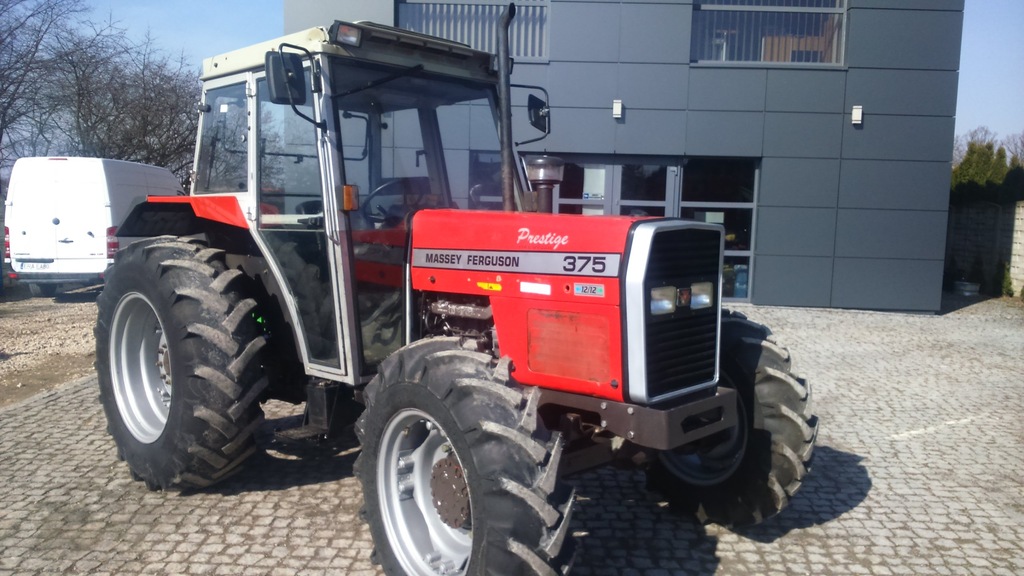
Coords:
722,191
616,185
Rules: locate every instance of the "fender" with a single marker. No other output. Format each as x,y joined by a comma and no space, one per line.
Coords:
181,216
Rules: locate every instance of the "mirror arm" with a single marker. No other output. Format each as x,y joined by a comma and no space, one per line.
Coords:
316,87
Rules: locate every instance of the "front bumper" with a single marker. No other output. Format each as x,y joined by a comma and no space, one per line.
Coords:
659,429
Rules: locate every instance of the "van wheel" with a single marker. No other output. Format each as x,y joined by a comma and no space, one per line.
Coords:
178,361
42,290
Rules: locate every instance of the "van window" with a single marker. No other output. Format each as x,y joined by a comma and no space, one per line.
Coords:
223,142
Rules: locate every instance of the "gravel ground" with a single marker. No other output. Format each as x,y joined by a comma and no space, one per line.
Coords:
44,342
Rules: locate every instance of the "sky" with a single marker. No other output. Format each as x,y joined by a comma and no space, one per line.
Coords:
991,89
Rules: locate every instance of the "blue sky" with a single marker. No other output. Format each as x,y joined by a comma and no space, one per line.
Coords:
991,62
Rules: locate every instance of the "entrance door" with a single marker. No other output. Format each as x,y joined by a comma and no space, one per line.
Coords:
615,185
715,190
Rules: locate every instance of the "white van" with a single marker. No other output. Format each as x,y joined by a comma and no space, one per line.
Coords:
62,215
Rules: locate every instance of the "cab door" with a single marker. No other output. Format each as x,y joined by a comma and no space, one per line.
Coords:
291,223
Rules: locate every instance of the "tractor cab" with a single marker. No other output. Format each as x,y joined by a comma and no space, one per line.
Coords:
330,139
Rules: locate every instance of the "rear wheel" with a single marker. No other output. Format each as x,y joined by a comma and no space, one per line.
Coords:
177,356
458,475
754,469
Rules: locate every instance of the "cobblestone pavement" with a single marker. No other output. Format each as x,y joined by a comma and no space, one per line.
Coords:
919,470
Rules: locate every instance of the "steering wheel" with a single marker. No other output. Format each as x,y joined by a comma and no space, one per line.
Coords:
408,190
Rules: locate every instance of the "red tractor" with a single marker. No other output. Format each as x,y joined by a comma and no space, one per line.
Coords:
326,255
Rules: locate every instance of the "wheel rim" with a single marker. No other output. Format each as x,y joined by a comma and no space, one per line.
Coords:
419,483
715,465
140,367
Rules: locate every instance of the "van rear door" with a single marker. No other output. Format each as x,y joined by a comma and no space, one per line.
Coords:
33,210
58,216
81,218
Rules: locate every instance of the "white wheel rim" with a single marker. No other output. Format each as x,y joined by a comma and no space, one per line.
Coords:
411,445
140,367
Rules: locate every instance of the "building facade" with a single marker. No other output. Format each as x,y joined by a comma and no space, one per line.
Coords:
818,132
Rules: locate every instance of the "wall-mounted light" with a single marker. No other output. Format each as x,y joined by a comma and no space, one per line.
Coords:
616,109
857,115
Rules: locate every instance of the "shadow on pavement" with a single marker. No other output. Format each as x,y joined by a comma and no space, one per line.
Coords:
279,465
78,296
837,483
952,302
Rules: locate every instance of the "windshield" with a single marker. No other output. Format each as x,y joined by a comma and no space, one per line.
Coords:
415,140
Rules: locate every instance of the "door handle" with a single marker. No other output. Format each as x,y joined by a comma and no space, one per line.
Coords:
66,241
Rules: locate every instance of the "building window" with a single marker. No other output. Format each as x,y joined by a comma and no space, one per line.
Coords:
475,23
721,191
802,32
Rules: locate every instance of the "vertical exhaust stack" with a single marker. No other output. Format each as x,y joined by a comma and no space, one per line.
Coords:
505,110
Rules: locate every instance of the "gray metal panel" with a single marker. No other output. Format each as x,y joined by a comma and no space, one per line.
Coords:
909,4
887,284
579,130
454,121
650,132
727,89
891,234
806,91
661,86
894,185
582,85
724,133
789,134
792,281
923,138
805,182
654,33
483,135
584,32
795,231
904,39
302,14
910,92
528,73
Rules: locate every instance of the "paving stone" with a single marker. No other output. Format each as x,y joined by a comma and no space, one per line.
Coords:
919,469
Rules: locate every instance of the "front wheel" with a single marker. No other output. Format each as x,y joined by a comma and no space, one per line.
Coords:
178,362
753,470
458,475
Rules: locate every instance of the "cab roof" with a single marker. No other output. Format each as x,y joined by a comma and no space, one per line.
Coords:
374,42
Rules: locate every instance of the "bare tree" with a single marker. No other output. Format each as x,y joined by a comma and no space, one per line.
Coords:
1014,144
25,25
982,135
108,97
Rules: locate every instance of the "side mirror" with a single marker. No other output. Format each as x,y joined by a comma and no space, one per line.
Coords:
539,114
285,78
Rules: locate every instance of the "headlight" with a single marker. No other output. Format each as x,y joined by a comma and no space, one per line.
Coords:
703,295
663,300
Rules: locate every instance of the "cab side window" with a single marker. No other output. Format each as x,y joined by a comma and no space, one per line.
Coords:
223,142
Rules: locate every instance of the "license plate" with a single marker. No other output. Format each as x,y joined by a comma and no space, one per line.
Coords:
26,266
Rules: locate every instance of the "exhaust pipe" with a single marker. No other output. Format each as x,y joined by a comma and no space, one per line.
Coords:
508,200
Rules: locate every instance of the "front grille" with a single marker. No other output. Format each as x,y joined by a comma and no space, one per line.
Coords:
681,348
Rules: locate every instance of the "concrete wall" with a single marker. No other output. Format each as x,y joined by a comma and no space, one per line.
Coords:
987,234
